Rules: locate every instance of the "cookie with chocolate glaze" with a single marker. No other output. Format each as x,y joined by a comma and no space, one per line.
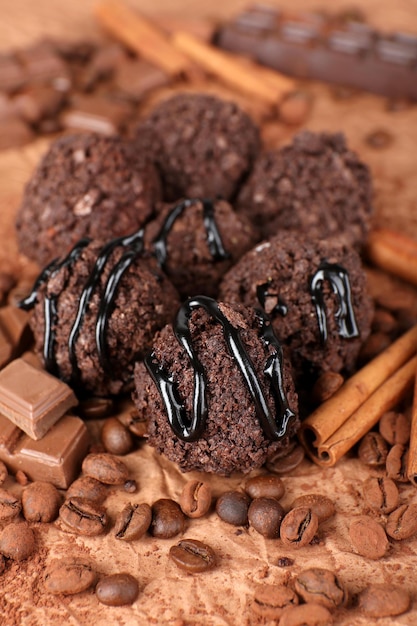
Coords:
217,390
96,311
196,241
315,294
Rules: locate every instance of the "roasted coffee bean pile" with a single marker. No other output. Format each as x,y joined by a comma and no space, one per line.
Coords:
255,507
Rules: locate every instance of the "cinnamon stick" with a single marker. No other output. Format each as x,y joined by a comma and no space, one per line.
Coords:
141,36
412,454
367,415
264,85
332,414
394,252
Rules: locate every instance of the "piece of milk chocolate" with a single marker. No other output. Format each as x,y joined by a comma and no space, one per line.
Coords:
56,458
33,399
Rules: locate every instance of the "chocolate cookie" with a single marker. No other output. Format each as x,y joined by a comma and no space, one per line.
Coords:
314,292
217,390
316,185
196,241
96,311
203,146
85,185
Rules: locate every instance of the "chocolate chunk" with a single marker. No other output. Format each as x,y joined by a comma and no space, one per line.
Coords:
38,102
135,78
102,65
56,458
42,64
12,75
32,399
95,114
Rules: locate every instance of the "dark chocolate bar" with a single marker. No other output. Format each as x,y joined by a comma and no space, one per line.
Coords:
311,46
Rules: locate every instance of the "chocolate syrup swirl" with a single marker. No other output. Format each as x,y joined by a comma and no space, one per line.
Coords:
134,246
214,241
274,423
263,293
338,278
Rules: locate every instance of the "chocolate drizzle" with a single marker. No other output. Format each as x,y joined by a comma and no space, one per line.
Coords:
214,241
273,423
134,246
338,278
50,303
263,294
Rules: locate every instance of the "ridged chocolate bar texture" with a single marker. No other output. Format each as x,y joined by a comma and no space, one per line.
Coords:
310,46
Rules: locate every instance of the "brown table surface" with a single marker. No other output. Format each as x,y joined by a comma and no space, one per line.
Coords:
220,597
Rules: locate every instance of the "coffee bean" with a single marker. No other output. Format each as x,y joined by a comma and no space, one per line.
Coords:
395,428
115,437
402,523
17,541
269,601
134,421
306,615
40,502
381,494
406,318
295,108
87,488
322,506
232,507
83,517
21,478
96,408
106,468
325,386
265,516
3,472
383,600
368,537
396,463
374,345
373,449
195,499
379,139
133,522
383,321
10,506
117,589
285,464
265,486
299,527
193,556
285,561
167,519
68,577
321,586
130,486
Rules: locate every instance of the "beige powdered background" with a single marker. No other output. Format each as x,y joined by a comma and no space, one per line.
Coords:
221,597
